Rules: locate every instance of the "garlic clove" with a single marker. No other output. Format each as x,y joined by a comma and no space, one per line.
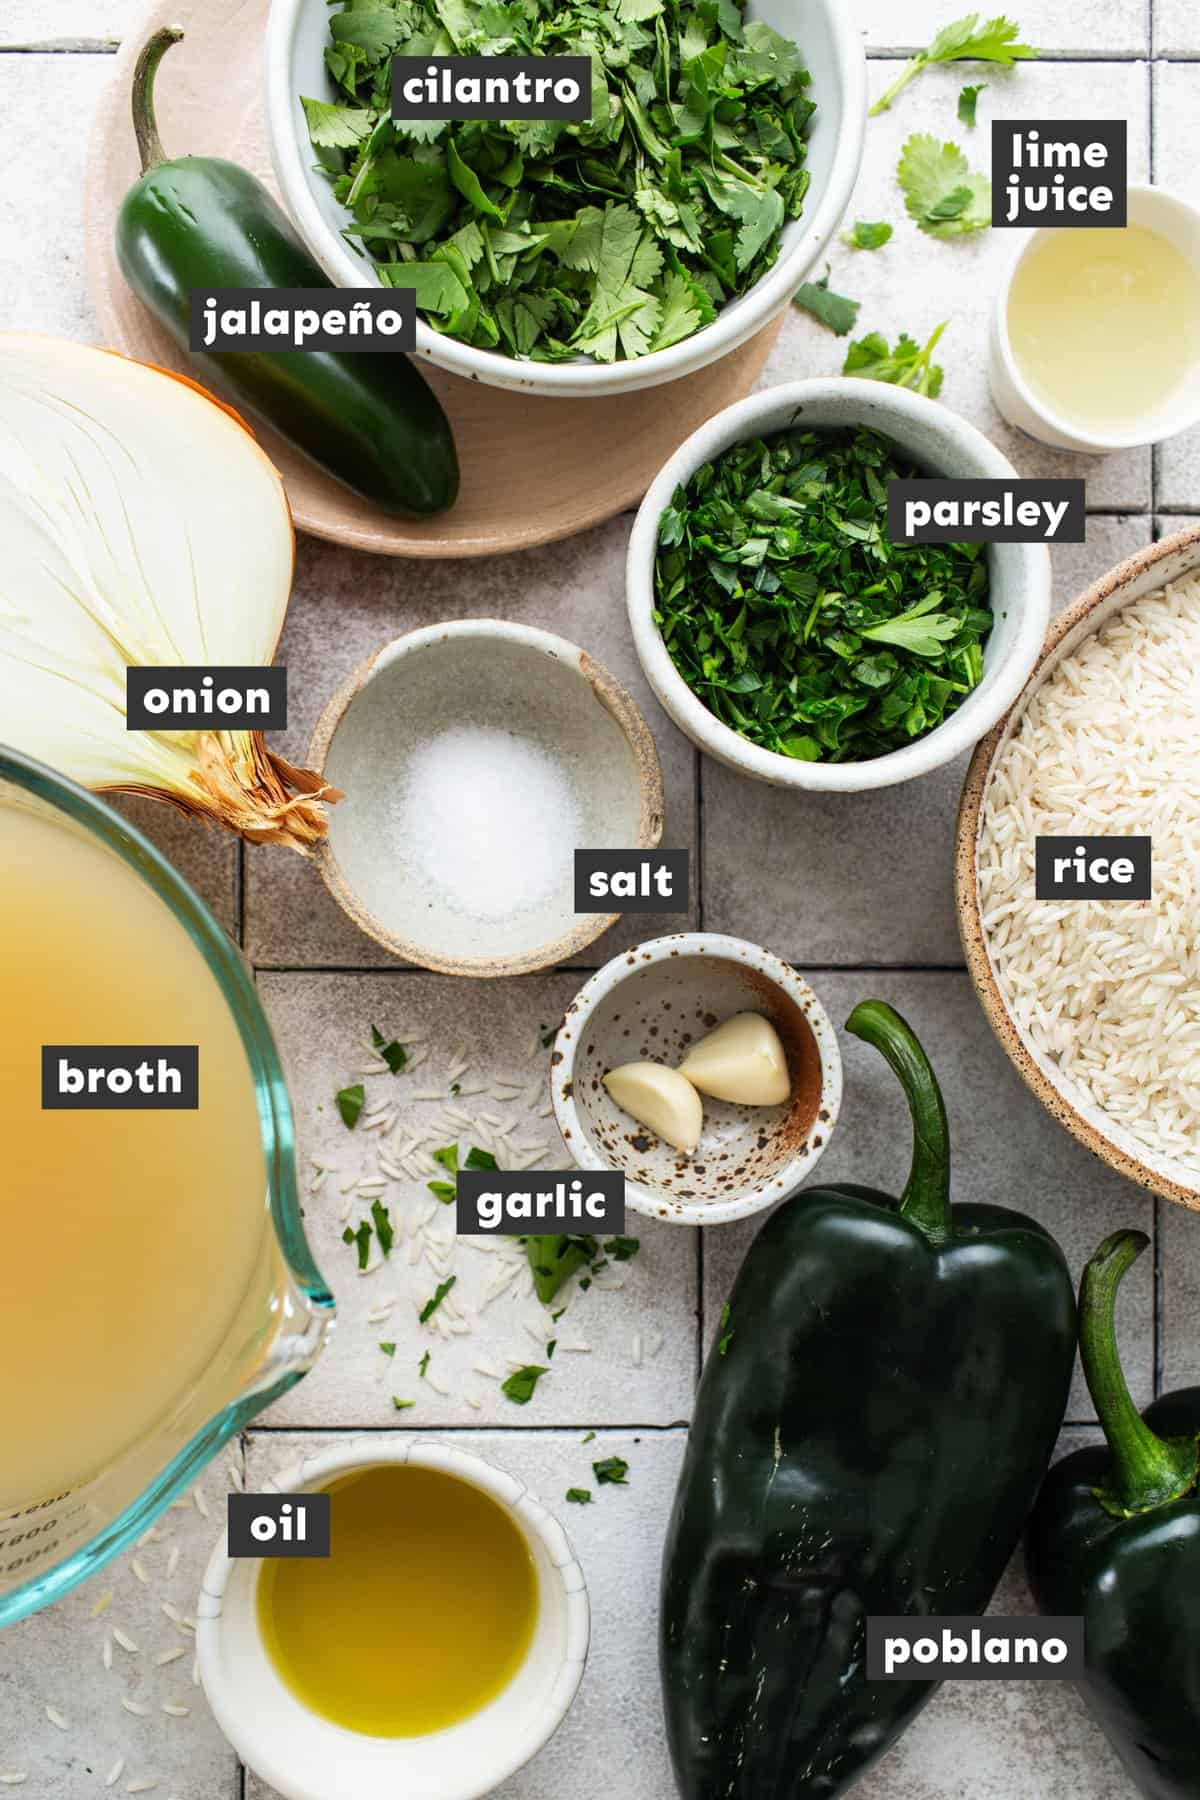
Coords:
660,1099
743,1060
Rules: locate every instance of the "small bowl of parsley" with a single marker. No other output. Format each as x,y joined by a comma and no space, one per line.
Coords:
783,631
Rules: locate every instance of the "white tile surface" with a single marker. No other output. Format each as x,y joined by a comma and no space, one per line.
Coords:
56,1658
321,1022
1176,28
1176,103
1101,28
866,883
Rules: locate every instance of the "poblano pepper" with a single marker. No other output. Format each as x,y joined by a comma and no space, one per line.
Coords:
1115,1537
868,1439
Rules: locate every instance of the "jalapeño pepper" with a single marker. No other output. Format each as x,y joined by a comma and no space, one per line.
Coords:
365,416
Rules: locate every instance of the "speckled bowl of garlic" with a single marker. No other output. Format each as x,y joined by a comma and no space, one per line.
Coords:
705,1069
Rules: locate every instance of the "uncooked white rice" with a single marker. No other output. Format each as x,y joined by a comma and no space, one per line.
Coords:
1109,991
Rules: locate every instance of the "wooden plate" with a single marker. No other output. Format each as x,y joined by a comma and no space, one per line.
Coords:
533,469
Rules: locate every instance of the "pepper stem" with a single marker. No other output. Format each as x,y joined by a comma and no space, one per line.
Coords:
926,1200
1147,1471
145,125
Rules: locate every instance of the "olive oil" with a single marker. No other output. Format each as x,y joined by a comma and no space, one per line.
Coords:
135,1246
1105,326
420,1616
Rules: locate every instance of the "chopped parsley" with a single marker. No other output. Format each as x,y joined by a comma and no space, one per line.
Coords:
481,1159
350,1102
579,1496
361,1237
521,1384
392,1053
555,1259
383,1226
623,1249
611,1472
435,1300
792,616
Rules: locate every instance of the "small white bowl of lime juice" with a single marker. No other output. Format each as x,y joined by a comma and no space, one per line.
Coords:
1095,342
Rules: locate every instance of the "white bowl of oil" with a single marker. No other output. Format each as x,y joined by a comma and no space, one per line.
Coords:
1095,342
433,1652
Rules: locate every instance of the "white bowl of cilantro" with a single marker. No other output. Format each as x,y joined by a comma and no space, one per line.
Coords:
784,633
558,258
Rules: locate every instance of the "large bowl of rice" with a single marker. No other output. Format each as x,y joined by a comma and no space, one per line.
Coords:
1097,1002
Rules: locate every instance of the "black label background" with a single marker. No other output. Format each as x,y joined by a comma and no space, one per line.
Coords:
1113,133
1072,528
1137,849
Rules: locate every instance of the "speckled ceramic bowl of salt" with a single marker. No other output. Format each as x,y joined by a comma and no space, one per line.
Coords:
474,759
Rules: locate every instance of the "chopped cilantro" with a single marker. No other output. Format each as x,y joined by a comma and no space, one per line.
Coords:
611,1472
968,100
579,1496
481,1159
964,41
590,1438
940,191
831,309
350,1103
551,1347
388,1349
906,366
610,237
867,236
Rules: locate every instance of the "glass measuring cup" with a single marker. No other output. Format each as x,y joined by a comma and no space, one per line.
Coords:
50,1541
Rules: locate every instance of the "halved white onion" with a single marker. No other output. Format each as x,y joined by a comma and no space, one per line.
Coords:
141,524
